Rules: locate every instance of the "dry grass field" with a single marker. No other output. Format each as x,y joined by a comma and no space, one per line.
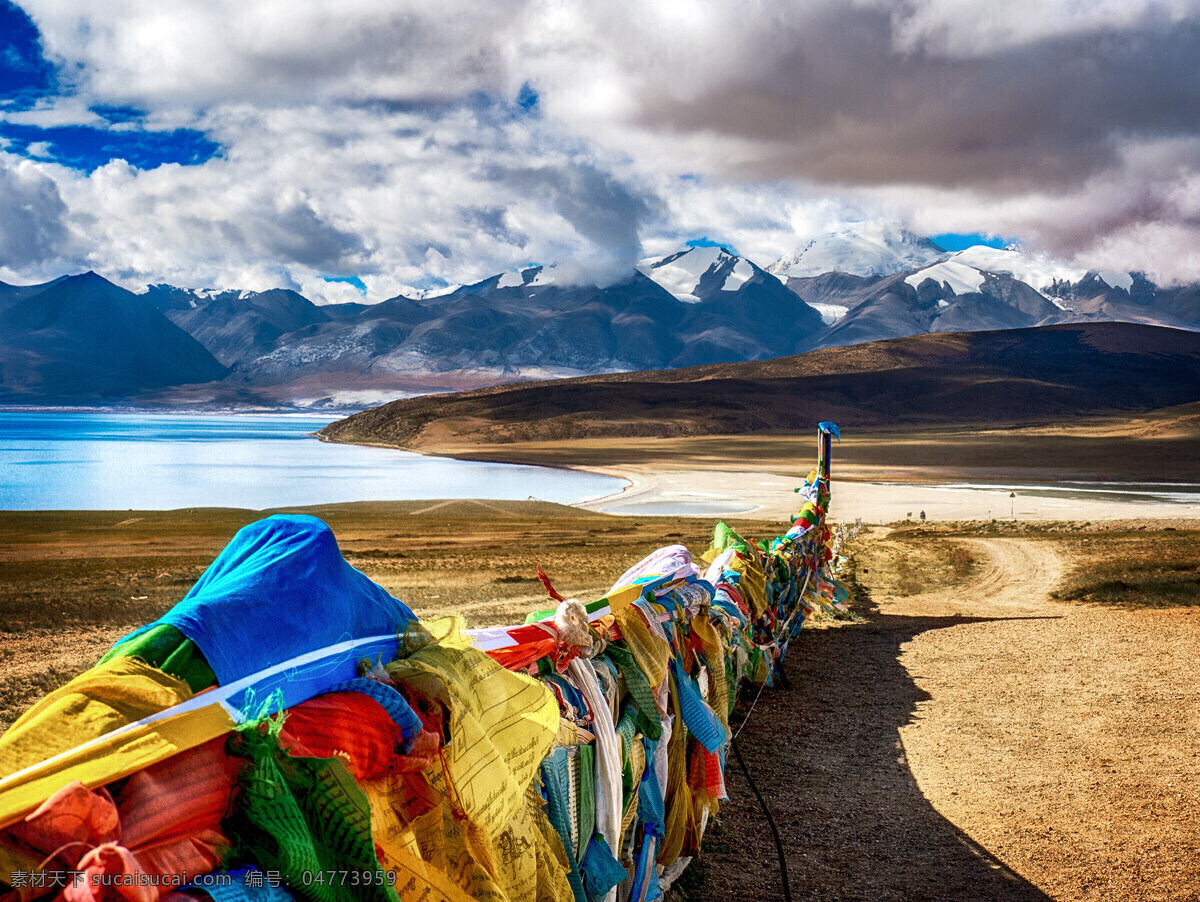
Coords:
74,582
1120,564
1015,714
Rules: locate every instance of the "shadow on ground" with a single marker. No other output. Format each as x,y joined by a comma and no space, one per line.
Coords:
826,755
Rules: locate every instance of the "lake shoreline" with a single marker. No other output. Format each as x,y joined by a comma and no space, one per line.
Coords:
722,476
104,461
753,476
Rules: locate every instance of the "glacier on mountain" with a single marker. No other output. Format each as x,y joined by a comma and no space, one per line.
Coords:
961,279
867,248
680,273
1037,270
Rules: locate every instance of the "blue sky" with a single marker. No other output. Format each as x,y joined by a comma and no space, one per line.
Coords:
953,242
353,281
705,241
86,148
28,79
25,76
383,145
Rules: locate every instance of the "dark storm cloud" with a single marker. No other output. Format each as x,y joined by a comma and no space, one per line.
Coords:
32,216
603,210
835,99
299,234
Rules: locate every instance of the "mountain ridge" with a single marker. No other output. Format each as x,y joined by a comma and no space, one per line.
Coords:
1008,376
82,338
699,305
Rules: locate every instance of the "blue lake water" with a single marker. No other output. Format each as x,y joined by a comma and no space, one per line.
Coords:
106,461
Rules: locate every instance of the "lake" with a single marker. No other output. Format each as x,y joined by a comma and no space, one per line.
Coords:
51,460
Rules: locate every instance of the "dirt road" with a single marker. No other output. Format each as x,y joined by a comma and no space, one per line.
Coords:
1014,578
977,741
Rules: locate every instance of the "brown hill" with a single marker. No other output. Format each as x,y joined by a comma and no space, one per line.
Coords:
975,378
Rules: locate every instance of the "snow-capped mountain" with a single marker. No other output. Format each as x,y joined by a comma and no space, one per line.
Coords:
724,293
715,276
1039,271
526,324
1079,295
696,272
698,305
870,248
1052,278
984,288
944,297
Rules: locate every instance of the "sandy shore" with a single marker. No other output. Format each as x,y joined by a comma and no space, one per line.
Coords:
752,493
1068,473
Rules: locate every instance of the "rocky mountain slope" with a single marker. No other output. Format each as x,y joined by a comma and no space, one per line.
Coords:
508,327
985,288
237,325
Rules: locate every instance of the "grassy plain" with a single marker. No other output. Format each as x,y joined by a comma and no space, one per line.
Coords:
73,582
1012,716
1118,564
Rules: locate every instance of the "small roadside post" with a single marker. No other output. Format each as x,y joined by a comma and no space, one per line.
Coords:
826,433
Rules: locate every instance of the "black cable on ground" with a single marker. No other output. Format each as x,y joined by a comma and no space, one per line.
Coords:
787,893
781,676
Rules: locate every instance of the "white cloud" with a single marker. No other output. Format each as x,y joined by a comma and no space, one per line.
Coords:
61,111
377,138
272,51
399,199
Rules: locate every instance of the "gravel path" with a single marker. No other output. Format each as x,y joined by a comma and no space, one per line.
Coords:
975,742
